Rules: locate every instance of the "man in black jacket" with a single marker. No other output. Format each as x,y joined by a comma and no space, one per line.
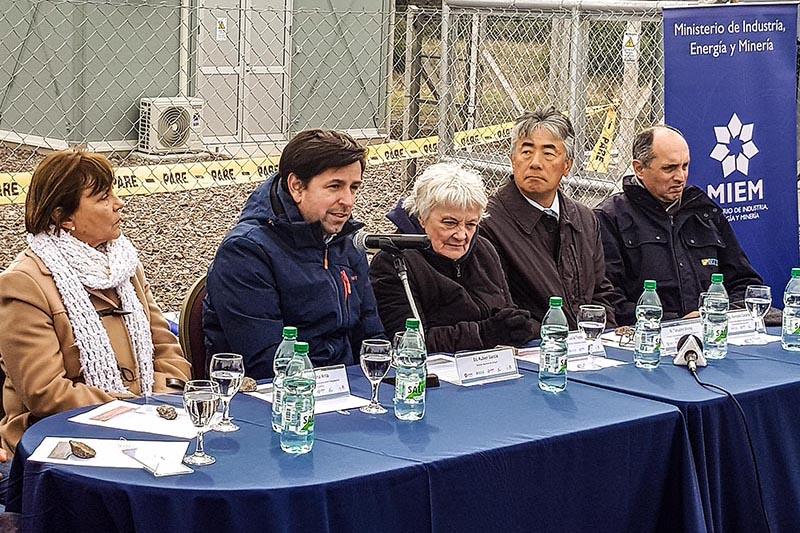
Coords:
659,228
548,243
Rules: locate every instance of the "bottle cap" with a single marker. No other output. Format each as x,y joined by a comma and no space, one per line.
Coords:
796,272
289,332
412,323
717,278
649,284
301,347
556,301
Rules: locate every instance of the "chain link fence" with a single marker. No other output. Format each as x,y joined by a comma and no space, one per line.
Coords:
193,100
482,67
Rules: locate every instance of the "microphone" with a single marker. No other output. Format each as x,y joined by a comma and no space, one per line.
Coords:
690,353
365,242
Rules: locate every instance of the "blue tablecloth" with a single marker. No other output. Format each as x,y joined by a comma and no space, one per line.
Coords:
769,392
489,458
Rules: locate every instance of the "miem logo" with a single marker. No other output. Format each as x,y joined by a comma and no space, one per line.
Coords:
734,149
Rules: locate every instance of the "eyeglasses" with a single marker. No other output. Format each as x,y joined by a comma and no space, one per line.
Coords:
625,334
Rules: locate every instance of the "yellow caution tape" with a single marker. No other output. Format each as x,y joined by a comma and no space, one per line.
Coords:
177,177
600,158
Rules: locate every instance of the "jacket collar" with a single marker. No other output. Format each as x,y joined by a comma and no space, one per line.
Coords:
286,215
527,216
639,195
405,222
447,265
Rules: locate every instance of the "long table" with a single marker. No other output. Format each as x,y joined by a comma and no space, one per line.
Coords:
498,457
766,382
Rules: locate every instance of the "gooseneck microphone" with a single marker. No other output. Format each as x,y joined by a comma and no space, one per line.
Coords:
365,242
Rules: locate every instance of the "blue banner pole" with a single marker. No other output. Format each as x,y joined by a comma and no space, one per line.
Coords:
730,87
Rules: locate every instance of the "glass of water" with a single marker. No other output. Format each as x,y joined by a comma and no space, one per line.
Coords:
200,399
758,300
376,357
227,370
701,305
592,322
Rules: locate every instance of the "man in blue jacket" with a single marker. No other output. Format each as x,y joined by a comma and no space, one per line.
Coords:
663,229
290,261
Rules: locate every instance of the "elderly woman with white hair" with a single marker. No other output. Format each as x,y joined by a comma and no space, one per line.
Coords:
458,283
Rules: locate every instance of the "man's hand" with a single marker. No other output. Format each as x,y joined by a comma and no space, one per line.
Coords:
693,314
3,456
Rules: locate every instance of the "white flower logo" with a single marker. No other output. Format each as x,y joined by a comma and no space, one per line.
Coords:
741,135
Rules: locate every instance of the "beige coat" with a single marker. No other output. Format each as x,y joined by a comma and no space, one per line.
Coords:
39,355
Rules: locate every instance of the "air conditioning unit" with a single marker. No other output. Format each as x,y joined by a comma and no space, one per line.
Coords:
170,125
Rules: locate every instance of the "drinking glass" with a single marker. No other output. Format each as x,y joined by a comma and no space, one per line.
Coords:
227,370
200,399
758,300
592,322
701,305
376,357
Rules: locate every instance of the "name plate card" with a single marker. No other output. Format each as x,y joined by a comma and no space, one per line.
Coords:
671,333
331,381
486,366
740,323
577,345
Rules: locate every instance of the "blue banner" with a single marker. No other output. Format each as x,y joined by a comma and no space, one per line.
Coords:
729,86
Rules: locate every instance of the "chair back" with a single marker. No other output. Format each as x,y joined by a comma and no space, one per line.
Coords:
190,329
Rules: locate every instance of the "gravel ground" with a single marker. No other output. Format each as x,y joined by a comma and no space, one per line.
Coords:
177,234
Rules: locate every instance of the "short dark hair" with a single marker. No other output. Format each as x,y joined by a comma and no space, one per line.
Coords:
58,184
642,149
311,152
550,120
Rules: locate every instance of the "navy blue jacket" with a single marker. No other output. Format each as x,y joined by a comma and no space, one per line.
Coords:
275,269
679,250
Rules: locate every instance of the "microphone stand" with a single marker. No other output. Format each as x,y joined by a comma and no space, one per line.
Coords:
401,268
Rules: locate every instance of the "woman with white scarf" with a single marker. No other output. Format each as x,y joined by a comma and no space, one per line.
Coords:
78,324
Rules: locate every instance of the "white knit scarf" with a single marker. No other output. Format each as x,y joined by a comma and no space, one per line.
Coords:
76,265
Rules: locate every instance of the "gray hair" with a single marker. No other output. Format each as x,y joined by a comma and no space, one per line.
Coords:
550,120
642,150
446,184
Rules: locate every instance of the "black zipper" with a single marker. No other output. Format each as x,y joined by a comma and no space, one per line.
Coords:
675,261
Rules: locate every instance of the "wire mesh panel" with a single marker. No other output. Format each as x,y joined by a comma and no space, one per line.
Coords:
193,100
602,69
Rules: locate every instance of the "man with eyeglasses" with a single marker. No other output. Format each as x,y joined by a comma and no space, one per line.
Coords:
549,244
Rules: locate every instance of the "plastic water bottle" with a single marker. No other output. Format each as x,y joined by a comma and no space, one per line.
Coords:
647,338
790,333
715,319
409,391
283,354
553,354
297,435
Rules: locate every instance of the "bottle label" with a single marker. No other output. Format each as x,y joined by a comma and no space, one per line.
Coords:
716,333
410,388
791,324
299,421
277,397
554,362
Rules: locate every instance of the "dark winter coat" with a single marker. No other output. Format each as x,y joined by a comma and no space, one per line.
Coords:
451,296
578,275
273,270
679,250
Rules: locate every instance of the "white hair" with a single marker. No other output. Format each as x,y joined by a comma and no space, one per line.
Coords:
448,185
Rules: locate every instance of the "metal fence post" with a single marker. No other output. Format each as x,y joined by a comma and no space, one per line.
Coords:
577,85
445,147
412,82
